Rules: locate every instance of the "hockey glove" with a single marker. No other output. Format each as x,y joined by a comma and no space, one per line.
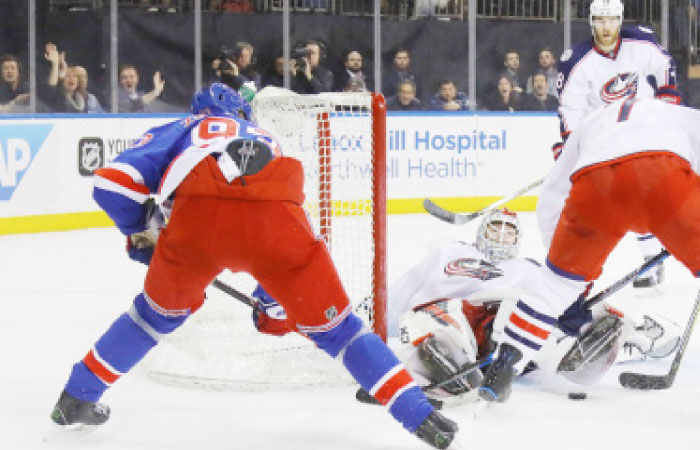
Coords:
140,246
575,316
268,316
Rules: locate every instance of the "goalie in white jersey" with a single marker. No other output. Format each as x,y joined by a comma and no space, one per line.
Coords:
616,63
447,309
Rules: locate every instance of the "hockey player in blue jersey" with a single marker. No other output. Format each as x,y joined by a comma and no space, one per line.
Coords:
233,202
617,62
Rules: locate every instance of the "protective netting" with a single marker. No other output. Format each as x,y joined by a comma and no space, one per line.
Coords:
218,347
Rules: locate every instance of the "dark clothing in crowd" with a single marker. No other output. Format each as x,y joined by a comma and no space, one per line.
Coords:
393,104
532,103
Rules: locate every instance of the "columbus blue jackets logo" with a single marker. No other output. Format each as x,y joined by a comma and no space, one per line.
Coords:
475,268
620,86
91,155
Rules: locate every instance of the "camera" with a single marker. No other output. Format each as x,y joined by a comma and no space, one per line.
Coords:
227,53
298,55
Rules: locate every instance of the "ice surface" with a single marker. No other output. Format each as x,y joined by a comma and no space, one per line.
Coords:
60,291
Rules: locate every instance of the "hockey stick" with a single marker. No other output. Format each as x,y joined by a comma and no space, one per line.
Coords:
460,219
624,281
633,380
238,295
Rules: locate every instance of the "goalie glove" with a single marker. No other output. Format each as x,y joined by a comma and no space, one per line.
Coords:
269,316
140,246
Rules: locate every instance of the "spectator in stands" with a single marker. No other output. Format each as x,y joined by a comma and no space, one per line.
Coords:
540,99
449,98
130,99
234,66
13,91
308,76
276,75
548,66
511,61
405,98
355,84
353,75
504,98
400,72
66,87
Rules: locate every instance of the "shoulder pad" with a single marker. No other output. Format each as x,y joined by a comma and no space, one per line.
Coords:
573,55
639,33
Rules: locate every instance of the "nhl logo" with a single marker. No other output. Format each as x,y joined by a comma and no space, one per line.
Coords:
90,155
331,313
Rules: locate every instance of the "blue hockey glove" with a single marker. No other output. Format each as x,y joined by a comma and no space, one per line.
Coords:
139,252
575,316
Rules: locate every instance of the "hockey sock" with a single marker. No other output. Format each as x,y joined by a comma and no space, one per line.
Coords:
377,369
527,330
123,345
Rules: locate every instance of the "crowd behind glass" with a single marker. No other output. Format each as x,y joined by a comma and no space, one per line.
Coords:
67,89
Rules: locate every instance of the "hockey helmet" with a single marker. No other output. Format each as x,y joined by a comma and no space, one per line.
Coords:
221,99
606,8
498,237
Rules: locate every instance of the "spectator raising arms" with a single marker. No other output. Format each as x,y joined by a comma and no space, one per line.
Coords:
130,98
66,87
13,91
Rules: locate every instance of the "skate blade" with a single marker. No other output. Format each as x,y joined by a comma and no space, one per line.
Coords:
63,433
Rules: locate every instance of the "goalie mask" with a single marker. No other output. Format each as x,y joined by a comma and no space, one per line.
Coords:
498,237
438,342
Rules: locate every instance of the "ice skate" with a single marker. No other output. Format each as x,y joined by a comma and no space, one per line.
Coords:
499,376
437,430
71,413
650,281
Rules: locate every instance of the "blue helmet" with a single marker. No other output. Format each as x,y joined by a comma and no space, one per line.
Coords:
221,99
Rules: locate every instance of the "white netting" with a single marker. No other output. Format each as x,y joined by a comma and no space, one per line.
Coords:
218,346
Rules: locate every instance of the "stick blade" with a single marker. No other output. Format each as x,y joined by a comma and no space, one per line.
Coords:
644,382
447,216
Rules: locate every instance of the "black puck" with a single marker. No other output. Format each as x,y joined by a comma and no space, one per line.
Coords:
577,396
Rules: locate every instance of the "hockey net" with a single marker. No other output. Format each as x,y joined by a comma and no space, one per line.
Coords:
339,138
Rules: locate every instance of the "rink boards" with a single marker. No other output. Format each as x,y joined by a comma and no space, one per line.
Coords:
464,160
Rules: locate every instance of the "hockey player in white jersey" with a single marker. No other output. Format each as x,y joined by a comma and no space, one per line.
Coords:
449,308
616,63
630,166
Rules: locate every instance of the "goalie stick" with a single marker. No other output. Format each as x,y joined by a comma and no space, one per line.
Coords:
460,219
642,381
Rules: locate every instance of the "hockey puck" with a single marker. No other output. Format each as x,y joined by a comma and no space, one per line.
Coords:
577,396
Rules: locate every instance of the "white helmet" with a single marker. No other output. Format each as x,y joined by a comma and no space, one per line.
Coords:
606,8
498,237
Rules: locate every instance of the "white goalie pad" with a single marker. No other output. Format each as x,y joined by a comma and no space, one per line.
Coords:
654,336
445,323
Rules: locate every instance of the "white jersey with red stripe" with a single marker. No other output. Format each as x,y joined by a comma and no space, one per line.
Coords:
614,131
589,78
453,270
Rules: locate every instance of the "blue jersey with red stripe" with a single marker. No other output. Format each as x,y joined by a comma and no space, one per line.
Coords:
160,159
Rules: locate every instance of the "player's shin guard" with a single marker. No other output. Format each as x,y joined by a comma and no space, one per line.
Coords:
124,344
377,369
